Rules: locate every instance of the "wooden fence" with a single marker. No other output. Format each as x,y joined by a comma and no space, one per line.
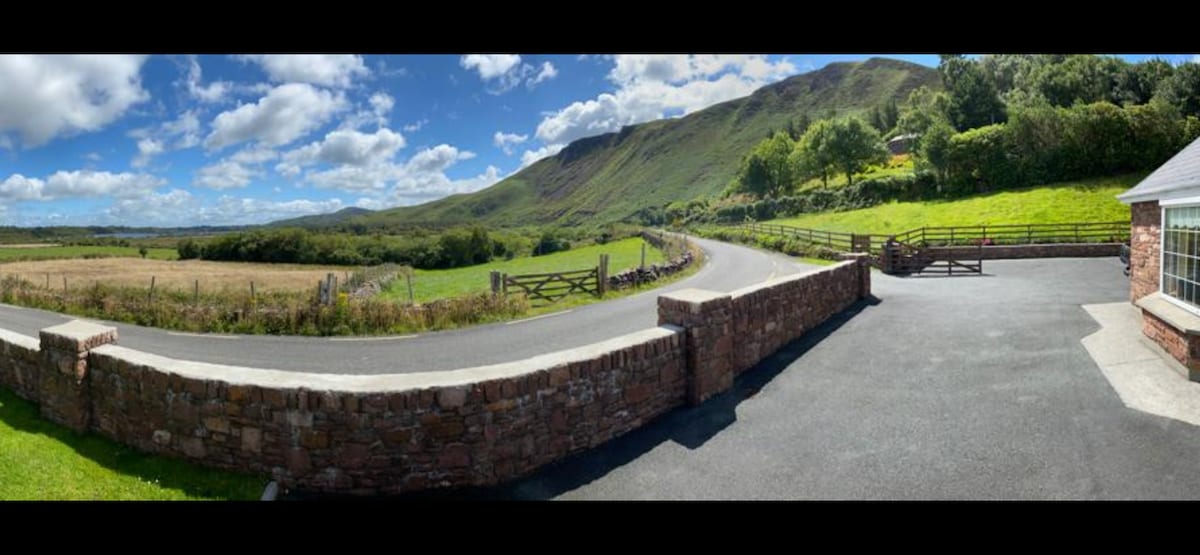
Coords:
937,236
552,286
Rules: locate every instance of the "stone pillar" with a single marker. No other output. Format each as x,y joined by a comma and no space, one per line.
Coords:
863,264
1144,244
63,388
707,317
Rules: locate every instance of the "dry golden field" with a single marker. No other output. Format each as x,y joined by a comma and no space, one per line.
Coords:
173,274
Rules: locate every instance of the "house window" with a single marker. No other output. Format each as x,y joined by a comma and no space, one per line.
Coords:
1181,255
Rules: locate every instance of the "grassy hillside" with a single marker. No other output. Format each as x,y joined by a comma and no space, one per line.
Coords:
610,177
435,284
1090,200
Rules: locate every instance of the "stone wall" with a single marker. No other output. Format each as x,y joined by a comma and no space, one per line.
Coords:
1144,247
729,333
20,364
1050,250
390,433
404,432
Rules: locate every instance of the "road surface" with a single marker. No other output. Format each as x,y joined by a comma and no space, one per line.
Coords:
729,267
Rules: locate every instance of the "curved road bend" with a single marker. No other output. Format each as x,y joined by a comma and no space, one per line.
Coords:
729,267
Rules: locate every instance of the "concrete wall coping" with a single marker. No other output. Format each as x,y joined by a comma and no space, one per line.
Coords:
693,295
773,282
79,330
19,340
382,383
1170,313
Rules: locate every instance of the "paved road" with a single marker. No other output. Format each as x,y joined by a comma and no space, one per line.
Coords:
729,267
947,388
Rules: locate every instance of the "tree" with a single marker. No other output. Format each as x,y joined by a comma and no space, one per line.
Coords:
766,171
143,251
935,147
922,109
973,101
1182,90
1136,83
812,155
853,145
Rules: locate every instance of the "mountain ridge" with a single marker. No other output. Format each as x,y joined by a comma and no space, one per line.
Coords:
611,176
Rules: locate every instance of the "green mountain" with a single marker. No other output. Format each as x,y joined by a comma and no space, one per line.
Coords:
611,177
323,220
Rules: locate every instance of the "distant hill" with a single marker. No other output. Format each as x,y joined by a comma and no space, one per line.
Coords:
322,220
611,177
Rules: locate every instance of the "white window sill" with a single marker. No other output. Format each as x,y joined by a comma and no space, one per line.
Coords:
1169,312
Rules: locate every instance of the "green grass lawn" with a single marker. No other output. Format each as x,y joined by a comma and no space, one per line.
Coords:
1091,200
897,165
40,460
9,254
429,285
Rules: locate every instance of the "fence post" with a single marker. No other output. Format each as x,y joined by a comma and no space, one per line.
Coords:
196,294
643,255
494,277
408,279
150,297
504,284
602,275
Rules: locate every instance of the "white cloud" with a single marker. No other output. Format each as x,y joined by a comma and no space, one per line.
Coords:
382,103
185,129
415,126
93,156
506,141
344,147
490,66
285,114
78,184
531,156
505,71
45,96
421,178
147,149
177,205
226,174
331,70
547,73
652,86
213,92
182,132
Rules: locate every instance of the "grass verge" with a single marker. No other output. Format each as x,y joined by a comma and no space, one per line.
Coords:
40,460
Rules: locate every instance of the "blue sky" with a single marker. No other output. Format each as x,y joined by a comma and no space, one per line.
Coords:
218,140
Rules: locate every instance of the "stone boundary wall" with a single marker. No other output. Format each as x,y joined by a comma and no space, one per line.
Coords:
1049,250
404,432
729,333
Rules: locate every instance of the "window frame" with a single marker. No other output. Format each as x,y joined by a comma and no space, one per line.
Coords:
1164,205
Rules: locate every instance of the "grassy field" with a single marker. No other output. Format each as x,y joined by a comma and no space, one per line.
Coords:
1090,200
50,252
40,460
434,284
900,164
179,275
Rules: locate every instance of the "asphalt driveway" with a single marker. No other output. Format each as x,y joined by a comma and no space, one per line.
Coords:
945,388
